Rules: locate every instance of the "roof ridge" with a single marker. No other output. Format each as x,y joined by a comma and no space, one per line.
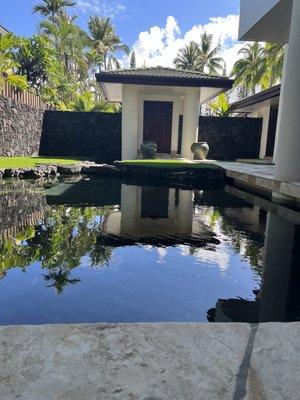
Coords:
158,67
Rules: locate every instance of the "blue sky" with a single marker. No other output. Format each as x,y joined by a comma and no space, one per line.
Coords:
131,17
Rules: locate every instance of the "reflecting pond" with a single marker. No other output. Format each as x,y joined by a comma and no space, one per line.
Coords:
98,250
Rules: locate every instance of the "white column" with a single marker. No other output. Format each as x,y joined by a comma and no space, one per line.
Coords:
185,212
286,49
129,122
265,115
287,158
175,125
190,121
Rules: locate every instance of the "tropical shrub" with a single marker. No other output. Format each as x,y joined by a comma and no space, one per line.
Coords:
220,106
8,66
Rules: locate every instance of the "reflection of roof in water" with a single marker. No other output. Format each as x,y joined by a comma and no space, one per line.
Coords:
208,238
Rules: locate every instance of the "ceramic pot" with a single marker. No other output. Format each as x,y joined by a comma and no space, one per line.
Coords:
148,150
200,150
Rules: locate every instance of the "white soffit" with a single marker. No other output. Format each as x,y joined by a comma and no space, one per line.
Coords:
113,91
208,93
265,20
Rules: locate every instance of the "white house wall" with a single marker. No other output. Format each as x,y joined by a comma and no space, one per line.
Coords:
130,122
133,116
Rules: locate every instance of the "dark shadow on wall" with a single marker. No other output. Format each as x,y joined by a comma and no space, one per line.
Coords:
94,135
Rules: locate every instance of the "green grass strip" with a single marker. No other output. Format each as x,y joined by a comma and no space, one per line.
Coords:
29,162
167,163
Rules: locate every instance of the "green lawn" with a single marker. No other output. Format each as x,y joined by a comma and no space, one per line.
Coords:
24,162
167,163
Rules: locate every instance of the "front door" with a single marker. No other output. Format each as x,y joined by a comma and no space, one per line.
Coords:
158,124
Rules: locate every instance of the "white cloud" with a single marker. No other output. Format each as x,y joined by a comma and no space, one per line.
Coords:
159,45
107,8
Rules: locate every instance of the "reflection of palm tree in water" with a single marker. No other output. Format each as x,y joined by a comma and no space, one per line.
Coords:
60,278
100,256
58,242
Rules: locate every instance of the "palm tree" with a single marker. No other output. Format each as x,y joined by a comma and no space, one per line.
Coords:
105,41
52,8
209,56
274,53
250,69
202,56
188,57
68,40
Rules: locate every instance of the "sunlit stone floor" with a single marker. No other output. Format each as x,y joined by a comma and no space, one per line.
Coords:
150,362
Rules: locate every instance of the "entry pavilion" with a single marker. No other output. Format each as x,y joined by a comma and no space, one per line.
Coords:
161,105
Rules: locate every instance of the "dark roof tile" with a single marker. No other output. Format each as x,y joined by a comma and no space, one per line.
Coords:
161,75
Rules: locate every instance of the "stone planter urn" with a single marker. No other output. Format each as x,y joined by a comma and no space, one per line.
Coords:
148,150
200,150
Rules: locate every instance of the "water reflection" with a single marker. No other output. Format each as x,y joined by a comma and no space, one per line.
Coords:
278,298
125,253
58,238
156,216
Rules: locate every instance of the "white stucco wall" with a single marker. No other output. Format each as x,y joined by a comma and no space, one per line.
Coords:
186,102
130,122
287,145
191,111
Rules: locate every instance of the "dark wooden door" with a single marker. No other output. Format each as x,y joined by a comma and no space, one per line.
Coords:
272,131
158,124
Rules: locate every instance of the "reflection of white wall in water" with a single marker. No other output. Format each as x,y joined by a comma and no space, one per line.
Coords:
113,223
179,219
